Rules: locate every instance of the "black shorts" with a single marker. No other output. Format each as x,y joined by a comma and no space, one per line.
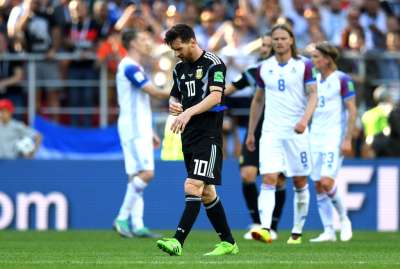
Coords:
205,164
251,158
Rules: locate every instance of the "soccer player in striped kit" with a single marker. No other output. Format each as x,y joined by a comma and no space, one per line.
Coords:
197,99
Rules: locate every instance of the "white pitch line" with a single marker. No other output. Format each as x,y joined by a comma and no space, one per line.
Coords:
177,262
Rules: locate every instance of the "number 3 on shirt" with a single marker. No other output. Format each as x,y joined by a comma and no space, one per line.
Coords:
321,101
191,87
281,84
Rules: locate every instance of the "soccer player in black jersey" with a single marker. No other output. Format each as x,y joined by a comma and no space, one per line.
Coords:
197,100
249,160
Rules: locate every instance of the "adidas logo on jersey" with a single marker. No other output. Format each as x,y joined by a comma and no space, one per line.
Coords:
183,76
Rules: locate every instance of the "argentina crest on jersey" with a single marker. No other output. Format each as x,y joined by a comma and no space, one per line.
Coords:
199,73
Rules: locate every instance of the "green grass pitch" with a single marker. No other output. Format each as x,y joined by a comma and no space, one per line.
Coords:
105,249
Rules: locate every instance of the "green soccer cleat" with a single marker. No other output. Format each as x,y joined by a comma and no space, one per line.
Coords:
144,232
261,235
224,248
122,227
171,246
292,241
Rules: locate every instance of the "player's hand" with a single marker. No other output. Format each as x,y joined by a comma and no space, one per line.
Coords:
180,122
346,147
251,142
156,141
300,127
175,108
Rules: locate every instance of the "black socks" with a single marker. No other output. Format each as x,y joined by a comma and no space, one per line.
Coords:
216,215
192,209
280,196
250,194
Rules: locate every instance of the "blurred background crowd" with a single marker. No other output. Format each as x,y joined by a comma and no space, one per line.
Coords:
59,57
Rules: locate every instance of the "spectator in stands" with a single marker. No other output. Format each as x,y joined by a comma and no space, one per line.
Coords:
313,17
41,35
16,139
159,12
11,75
173,16
393,41
391,66
110,52
5,9
353,36
393,24
100,16
242,27
190,14
115,10
353,39
206,28
294,10
62,17
373,21
220,10
139,16
267,15
82,40
333,21
394,6
13,17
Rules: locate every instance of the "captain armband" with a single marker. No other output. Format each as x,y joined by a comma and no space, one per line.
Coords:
216,89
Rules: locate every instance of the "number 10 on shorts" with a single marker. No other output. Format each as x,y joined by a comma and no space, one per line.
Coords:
200,167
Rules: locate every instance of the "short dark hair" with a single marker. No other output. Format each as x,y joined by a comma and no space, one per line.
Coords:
127,36
182,31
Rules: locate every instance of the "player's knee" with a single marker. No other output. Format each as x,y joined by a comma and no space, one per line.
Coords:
192,188
208,196
326,184
270,179
248,175
299,182
147,175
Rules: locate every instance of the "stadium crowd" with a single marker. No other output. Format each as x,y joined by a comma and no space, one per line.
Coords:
90,32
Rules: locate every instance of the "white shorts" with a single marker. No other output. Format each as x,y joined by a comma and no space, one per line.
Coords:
138,155
290,156
326,163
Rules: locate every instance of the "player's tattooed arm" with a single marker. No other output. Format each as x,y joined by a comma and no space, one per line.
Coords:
312,94
213,99
257,104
